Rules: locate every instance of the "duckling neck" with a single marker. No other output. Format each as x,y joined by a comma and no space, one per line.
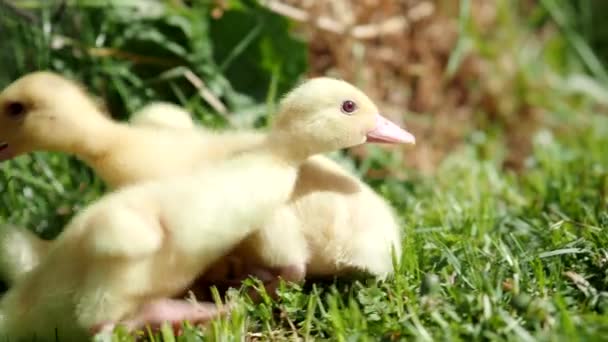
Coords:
288,152
94,141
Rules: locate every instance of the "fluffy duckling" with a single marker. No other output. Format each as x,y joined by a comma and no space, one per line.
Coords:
21,249
39,105
120,259
162,115
346,224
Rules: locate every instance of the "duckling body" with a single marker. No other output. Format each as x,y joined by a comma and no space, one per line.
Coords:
21,249
141,244
347,227
328,205
117,168
40,104
120,259
162,115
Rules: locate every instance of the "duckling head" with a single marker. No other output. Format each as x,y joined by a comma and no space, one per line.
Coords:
325,114
45,111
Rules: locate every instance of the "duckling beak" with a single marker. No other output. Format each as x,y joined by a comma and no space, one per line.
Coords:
389,133
5,152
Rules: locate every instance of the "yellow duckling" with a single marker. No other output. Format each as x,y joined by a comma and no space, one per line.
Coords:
21,250
162,115
120,259
347,226
43,111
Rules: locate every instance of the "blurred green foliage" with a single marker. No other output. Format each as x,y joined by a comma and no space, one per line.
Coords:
131,52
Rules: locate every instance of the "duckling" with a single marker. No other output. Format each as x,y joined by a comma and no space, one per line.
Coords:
121,259
21,249
162,115
330,205
40,104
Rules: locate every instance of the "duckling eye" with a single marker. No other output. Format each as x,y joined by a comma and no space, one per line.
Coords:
348,107
14,110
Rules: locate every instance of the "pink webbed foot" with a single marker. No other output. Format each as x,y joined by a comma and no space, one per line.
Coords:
172,311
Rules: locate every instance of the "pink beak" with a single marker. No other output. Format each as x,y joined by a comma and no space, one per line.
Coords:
389,133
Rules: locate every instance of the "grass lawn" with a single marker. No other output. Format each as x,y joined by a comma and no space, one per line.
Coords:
489,254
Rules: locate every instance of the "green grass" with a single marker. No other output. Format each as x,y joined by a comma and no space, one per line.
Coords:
488,253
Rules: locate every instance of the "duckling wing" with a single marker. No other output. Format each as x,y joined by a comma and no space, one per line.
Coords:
115,231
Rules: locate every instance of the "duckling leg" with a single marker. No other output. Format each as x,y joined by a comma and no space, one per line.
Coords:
173,311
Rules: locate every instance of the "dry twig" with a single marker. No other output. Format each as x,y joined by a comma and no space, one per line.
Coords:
369,31
205,93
